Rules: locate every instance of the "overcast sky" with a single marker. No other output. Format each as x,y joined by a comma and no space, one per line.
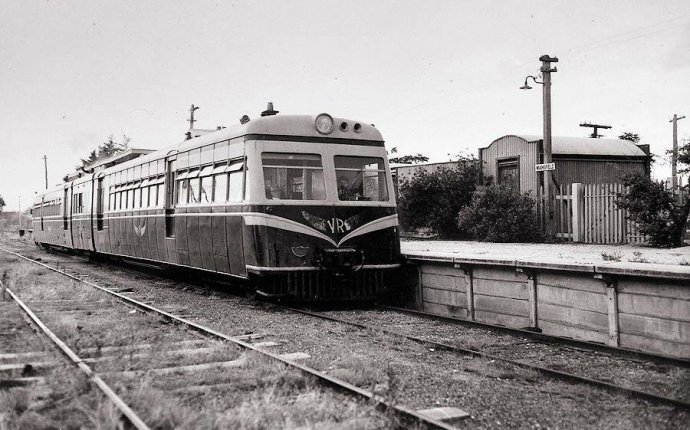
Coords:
436,77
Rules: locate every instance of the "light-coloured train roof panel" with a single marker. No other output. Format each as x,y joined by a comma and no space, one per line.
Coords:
276,125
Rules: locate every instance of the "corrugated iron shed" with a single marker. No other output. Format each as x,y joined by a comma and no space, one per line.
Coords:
561,145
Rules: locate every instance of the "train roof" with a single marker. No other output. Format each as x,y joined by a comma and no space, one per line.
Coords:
275,125
265,126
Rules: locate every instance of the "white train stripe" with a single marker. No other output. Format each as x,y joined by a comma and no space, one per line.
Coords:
284,224
274,221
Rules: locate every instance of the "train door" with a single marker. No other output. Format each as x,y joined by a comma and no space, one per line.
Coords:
67,217
99,205
170,199
170,166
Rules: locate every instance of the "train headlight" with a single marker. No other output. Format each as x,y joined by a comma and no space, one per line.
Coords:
300,251
324,123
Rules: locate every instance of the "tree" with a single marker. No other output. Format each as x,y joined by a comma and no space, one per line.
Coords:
633,137
2,204
409,159
655,209
498,213
105,150
433,198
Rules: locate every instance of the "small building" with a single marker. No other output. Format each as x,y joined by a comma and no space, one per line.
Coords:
511,159
402,172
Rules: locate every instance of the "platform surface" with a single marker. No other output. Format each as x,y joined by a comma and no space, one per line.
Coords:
581,257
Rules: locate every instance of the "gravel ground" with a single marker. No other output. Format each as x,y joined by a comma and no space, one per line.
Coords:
257,394
661,379
496,395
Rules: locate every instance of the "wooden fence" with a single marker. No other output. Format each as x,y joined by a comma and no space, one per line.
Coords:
589,214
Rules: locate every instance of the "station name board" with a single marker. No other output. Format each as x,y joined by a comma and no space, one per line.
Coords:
544,166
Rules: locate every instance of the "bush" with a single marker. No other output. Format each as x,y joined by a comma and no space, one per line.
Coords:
654,209
433,199
500,214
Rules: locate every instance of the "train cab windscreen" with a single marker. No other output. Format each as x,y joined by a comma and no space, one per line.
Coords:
291,176
361,178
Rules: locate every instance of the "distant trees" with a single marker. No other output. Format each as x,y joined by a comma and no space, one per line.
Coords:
432,199
633,137
407,159
2,204
105,150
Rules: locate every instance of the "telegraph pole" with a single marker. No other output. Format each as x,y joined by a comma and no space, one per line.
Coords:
19,212
674,155
546,71
595,134
45,165
191,117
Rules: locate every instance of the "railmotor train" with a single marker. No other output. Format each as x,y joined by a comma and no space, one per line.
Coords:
300,206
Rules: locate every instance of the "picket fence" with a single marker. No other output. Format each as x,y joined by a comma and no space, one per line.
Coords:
589,214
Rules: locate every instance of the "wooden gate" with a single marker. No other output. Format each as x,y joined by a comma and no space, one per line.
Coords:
590,214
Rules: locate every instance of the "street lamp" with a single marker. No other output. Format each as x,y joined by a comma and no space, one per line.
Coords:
546,71
526,86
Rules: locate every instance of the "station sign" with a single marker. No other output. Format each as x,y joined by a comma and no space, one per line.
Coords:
544,166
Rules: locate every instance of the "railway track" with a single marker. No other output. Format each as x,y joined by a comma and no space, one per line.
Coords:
549,339
481,400
406,417
522,362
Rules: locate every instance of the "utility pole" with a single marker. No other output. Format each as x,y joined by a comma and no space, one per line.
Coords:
45,165
674,155
191,117
19,212
546,71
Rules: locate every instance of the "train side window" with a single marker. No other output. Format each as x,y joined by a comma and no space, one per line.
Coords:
206,189
235,187
220,187
194,190
291,176
136,204
161,195
182,192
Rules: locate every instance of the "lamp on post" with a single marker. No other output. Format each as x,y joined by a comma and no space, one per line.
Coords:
546,71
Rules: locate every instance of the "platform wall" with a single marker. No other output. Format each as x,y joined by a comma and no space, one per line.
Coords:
637,311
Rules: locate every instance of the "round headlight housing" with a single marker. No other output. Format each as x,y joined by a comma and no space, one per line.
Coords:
324,123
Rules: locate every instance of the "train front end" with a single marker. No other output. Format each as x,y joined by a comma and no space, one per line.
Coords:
323,224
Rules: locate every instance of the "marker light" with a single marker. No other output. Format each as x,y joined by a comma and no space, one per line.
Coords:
324,123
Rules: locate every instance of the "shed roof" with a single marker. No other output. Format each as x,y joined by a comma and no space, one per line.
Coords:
561,145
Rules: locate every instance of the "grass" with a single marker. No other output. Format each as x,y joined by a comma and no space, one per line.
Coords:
261,394
70,403
614,256
638,258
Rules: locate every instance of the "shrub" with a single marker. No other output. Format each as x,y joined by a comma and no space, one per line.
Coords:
654,209
433,199
500,214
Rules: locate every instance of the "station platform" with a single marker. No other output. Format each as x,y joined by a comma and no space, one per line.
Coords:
675,262
624,296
